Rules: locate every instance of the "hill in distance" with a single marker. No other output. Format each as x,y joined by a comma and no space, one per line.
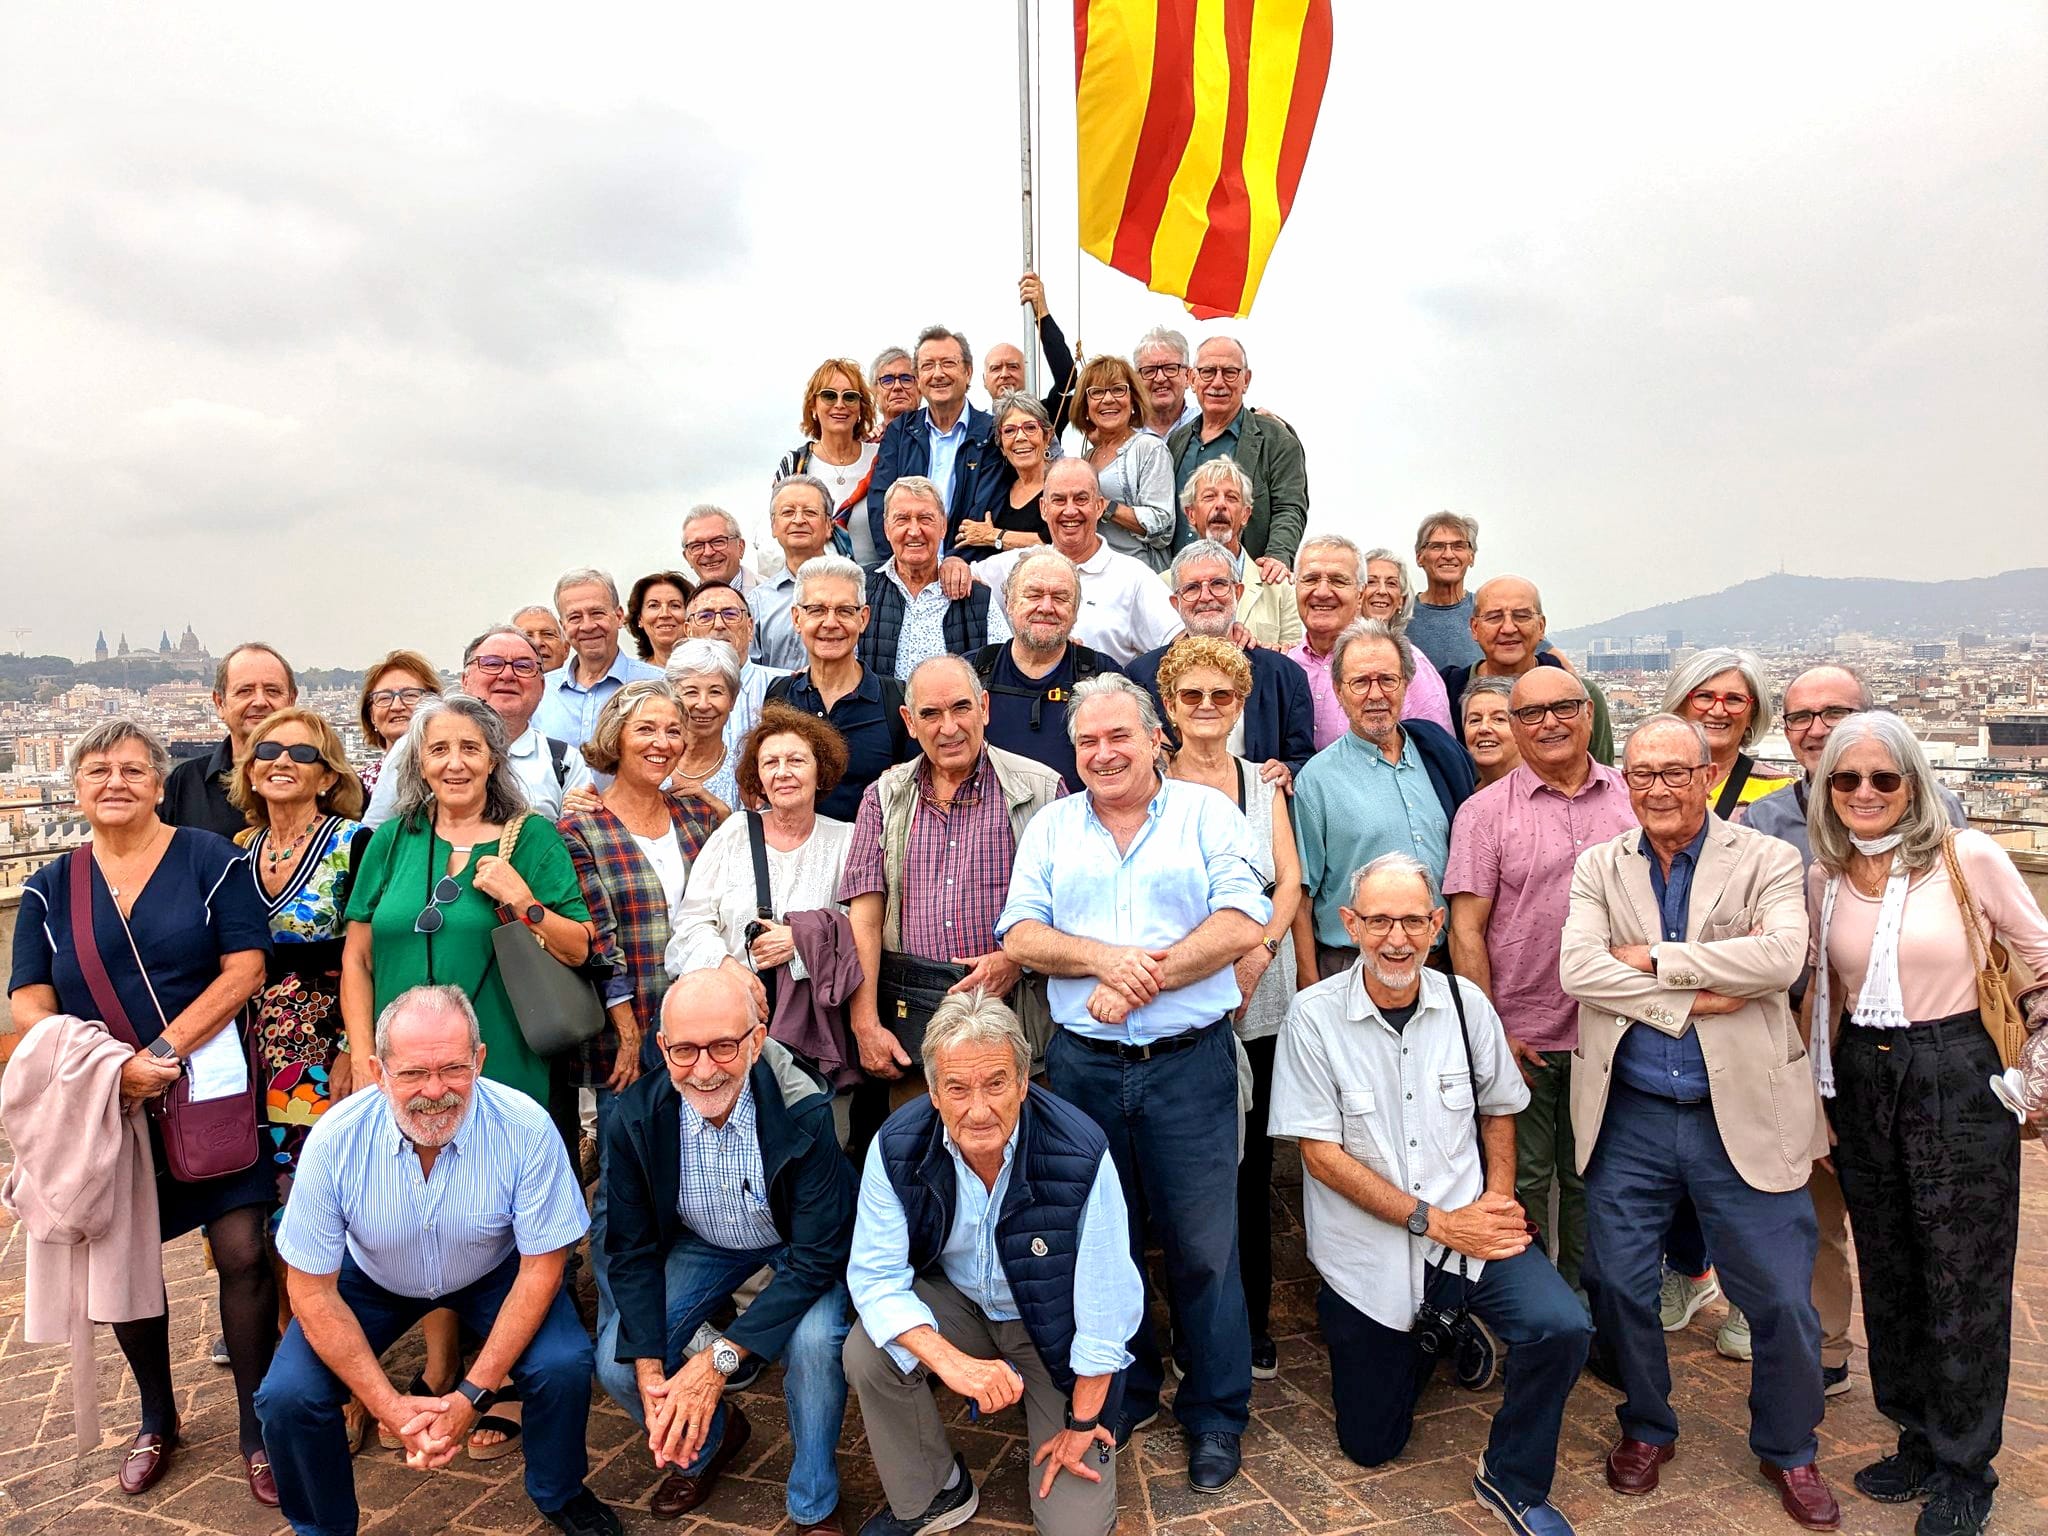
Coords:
1784,610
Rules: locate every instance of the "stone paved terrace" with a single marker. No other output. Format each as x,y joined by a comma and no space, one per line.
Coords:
1296,1483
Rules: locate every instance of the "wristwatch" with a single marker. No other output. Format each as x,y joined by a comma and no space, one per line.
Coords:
1272,947
535,914
1081,1426
725,1357
480,1398
1418,1219
162,1049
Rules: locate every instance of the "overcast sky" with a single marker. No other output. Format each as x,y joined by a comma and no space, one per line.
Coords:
351,327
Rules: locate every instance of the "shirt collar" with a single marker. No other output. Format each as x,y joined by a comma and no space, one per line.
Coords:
1153,808
1359,1006
889,566
565,679
958,427
1098,562
222,758
528,744
1690,851
1009,1148
459,1142
868,689
741,1119
1526,779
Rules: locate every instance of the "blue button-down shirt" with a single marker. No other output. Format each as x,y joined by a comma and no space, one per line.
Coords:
1350,806
1109,1299
722,1190
946,448
1192,858
568,710
502,1183
1647,1059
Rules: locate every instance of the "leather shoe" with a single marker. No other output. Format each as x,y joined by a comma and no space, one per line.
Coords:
1805,1495
829,1526
678,1495
1632,1465
1214,1460
262,1482
148,1458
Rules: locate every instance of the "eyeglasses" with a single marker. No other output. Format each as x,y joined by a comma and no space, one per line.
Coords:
303,753
1220,584
1207,372
839,396
1729,703
491,666
446,894
128,773
1884,781
894,380
1800,719
695,547
382,696
1215,698
1447,547
1496,617
711,618
408,1078
1110,392
1564,709
939,365
1673,778
817,613
1386,682
1160,370
1020,429
1378,925
683,1054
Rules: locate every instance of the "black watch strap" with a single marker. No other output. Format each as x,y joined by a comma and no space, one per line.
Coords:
480,1398
1081,1426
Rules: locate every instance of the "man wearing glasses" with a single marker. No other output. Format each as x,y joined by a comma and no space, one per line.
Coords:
714,549
1509,883
1682,941
723,1165
1161,360
1507,627
946,440
1262,445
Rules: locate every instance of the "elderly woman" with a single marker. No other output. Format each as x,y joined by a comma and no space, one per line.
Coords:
837,419
1928,1157
392,688
704,678
1385,594
655,612
1135,470
893,377
1721,690
177,933
1204,682
1488,728
1003,512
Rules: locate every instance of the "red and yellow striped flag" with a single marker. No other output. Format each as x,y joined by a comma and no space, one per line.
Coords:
1194,118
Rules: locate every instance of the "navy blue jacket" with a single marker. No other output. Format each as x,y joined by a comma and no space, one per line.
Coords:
1279,717
1450,771
906,449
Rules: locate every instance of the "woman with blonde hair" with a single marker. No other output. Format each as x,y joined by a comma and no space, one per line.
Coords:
1134,468
837,419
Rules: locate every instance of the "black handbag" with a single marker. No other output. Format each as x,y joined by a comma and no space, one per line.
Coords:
908,992
557,1005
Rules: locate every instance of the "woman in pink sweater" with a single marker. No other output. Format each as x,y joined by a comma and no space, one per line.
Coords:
1928,1155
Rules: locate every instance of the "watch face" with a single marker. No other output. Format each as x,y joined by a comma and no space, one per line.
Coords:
535,913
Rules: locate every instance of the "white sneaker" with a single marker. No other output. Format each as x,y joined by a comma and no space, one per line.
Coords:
1733,1339
1682,1297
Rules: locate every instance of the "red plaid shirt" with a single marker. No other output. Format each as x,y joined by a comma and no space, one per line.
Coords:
956,868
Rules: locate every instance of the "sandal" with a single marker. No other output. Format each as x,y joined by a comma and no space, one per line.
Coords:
497,1422
355,1426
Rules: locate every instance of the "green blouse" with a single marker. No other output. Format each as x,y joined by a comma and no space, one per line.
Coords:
395,882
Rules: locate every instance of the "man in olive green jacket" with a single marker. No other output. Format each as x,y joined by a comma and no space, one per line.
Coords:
1262,445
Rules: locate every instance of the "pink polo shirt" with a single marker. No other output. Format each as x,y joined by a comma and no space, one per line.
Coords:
1426,699
1515,842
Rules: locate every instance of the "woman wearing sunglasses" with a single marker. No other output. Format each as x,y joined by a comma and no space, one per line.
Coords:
1722,691
1204,683
838,419
1928,1156
392,690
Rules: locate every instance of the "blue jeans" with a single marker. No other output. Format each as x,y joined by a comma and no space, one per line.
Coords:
1652,1153
1172,1128
699,1276
1377,1373
301,1400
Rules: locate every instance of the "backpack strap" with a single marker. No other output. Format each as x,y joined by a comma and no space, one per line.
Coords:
558,752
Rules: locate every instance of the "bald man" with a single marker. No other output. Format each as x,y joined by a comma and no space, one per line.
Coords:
1509,625
1003,369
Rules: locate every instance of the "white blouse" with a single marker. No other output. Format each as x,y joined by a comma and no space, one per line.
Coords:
720,900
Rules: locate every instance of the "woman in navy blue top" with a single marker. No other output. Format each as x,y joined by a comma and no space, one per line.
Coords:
201,931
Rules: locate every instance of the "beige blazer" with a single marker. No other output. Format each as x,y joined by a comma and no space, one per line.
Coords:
1745,937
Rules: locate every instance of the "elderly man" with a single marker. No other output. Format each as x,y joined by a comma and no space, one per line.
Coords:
543,630
1692,1081
893,377
1387,785
1260,444
1161,359
1508,625
992,1252
946,440
1124,609
438,1189
717,611
929,867
1398,1082
1217,502
723,1165
910,615
1030,680
1003,369
1331,582
1509,883
249,683
715,549
1277,726
800,523
588,601
1137,899
1445,546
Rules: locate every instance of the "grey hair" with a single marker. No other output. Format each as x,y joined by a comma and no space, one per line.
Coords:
109,734
586,576
1162,336
1244,358
940,333
1199,550
1488,683
1221,468
1400,566
504,798
942,660
885,357
534,608
830,567
1011,401
1662,721
1031,556
1395,864
912,485
1329,541
1923,825
1105,685
1468,529
512,630
700,655
1713,661
438,999
1863,698
705,509
220,671
973,1018
824,492
1371,629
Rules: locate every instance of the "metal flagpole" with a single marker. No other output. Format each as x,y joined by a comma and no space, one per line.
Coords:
1026,157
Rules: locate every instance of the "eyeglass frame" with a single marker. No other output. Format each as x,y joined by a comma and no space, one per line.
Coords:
669,1048
1801,719
1385,922
1532,715
1688,772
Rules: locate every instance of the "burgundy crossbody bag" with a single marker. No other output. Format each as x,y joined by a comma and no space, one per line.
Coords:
201,1141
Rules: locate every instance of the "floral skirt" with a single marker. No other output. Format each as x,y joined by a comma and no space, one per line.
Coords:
299,1030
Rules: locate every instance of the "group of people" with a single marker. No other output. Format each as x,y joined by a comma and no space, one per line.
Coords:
965,907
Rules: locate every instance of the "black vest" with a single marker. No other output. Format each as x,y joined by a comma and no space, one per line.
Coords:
965,625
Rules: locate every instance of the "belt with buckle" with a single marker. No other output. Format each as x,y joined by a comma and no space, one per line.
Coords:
1126,1052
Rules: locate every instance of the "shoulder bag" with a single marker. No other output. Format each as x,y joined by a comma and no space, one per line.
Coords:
764,907
206,1140
1996,1005
557,1005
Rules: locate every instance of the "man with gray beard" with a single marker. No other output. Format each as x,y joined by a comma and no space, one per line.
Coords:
439,1189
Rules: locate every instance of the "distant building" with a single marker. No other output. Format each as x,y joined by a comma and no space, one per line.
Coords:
1628,661
1938,651
99,650
2021,733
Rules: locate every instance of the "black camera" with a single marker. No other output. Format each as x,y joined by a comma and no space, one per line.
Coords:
1455,1336
1436,1331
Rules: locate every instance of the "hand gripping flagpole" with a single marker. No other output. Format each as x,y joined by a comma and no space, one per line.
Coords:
1026,157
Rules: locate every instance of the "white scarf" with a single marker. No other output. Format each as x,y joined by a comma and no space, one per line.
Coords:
1881,1004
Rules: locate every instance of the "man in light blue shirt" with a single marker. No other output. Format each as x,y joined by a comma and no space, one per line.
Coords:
1137,899
592,616
800,522
435,1189
992,1251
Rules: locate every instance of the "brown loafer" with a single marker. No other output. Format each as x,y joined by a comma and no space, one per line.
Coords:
1805,1495
1632,1465
678,1495
148,1458
829,1526
262,1483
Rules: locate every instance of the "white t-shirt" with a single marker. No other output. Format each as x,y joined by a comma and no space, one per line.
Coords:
666,855
1124,608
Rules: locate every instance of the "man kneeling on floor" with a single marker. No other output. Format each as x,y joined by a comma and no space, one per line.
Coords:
1399,1085
993,1252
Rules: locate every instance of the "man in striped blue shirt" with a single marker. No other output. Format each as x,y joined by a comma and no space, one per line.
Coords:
440,1189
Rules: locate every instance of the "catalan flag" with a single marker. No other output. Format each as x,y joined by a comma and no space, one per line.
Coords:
1194,118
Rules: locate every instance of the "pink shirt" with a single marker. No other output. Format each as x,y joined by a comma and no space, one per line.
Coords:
1426,697
1515,843
1937,972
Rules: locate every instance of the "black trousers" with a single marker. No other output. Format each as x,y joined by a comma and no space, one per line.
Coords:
1930,1168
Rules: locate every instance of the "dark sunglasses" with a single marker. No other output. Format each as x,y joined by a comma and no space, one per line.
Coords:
1884,781
446,894
302,753
836,396
1215,698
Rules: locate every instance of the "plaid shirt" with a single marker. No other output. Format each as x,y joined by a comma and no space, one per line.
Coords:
956,866
722,1185
630,911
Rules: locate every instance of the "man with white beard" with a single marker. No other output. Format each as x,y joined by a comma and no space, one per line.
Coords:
440,1189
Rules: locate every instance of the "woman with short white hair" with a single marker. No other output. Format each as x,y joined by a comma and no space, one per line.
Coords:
1722,691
